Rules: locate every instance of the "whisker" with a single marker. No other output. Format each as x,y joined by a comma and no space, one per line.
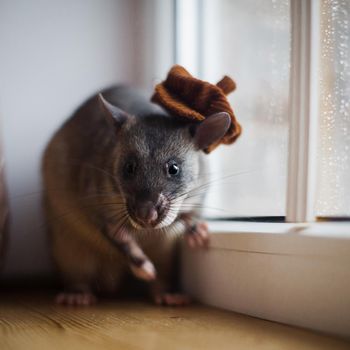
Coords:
86,164
73,209
124,220
210,183
60,190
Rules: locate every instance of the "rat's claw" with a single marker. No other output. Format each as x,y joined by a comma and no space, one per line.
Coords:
146,271
198,235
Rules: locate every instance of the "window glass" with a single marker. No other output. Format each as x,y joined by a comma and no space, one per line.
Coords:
333,195
250,41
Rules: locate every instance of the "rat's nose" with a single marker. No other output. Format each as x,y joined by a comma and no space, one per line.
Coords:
147,213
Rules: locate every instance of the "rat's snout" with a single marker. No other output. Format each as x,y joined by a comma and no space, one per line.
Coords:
148,213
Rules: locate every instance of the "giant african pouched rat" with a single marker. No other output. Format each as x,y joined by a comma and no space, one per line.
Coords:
119,177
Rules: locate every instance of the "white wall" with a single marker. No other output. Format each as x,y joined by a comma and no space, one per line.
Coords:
53,54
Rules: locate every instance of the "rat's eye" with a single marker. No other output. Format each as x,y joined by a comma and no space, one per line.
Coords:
129,168
173,168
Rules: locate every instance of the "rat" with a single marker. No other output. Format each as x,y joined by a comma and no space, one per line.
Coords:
119,180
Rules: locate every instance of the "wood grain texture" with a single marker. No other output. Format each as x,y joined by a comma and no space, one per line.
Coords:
34,322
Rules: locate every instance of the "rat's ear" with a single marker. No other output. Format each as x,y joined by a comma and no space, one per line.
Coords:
115,115
211,130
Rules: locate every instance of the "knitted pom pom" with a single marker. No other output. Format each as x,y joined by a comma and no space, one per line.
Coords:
185,96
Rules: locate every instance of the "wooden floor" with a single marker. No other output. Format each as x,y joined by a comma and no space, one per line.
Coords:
34,322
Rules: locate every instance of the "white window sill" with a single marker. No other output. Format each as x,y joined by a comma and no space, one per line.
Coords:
297,274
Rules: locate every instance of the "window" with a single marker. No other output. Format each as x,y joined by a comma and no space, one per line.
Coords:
333,197
290,60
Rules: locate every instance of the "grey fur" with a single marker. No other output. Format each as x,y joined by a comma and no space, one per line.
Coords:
87,157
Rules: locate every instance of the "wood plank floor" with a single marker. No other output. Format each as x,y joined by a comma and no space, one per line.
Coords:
34,322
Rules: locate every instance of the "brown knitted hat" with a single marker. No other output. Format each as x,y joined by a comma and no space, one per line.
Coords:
185,96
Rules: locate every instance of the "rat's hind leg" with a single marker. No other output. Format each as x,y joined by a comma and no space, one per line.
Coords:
77,265
106,279
76,298
172,299
161,296
165,289
78,288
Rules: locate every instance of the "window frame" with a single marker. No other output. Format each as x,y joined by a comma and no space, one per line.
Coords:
303,111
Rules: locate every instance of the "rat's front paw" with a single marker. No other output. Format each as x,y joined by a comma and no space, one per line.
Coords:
146,271
198,235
